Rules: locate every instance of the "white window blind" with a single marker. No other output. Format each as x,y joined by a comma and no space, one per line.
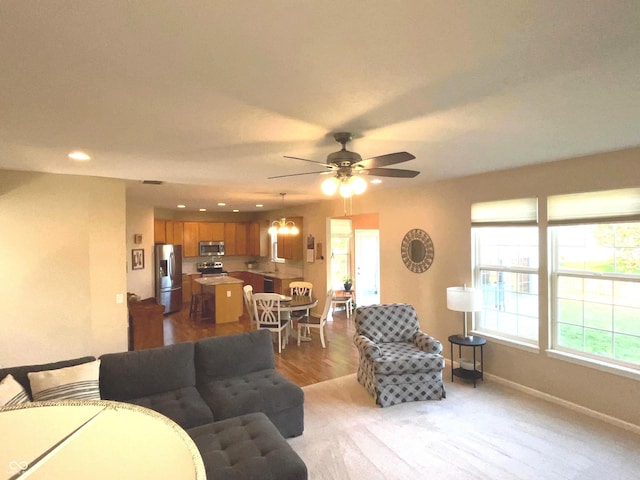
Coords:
520,211
595,207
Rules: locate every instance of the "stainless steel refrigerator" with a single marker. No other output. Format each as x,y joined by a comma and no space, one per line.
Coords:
168,262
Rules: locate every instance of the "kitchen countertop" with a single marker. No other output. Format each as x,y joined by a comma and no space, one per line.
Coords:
226,280
280,275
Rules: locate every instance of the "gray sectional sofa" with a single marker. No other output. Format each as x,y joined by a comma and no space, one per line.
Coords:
224,391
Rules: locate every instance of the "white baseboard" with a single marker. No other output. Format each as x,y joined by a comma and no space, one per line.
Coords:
559,401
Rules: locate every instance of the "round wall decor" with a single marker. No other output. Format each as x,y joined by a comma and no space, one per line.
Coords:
417,250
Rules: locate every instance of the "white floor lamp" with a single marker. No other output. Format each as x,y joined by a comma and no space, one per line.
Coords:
464,299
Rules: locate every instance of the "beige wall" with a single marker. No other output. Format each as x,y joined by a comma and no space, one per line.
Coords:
442,209
62,263
140,221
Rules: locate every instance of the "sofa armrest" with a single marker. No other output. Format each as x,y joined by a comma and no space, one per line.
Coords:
367,348
427,343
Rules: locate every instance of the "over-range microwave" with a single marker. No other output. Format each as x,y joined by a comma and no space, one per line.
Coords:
211,248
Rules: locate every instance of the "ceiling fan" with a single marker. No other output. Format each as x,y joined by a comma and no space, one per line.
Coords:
346,164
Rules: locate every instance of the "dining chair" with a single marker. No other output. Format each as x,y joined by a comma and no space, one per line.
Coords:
248,301
315,321
300,288
266,307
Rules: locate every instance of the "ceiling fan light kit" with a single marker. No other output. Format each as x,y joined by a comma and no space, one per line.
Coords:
348,166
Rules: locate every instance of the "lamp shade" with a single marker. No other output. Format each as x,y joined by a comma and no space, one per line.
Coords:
464,299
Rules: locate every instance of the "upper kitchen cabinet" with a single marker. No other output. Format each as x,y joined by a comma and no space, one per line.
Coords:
253,239
190,239
235,238
290,246
211,231
174,232
159,234
230,239
167,231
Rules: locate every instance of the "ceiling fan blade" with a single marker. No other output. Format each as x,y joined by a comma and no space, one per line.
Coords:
296,174
306,160
389,172
385,160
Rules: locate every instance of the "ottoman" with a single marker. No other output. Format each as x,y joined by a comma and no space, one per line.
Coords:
247,447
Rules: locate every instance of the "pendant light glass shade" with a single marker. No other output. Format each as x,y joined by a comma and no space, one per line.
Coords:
347,186
330,186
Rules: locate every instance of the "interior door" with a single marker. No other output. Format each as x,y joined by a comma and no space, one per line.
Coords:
367,265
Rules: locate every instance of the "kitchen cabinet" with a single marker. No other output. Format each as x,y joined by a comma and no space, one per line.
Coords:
281,285
241,238
290,246
190,239
159,232
230,239
253,239
167,231
211,231
173,232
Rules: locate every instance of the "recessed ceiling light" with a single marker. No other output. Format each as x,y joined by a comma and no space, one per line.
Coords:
222,204
376,180
236,210
79,155
182,206
203,209
259,205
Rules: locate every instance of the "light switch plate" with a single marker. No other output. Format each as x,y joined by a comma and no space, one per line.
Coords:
119,298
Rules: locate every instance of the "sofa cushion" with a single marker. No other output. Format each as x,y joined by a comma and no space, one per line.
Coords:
11,392
78,382
184,406
233,355
20,373
244,447
140,373
405,358
264,391
162,379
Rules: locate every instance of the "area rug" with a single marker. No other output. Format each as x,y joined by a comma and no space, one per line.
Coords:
490,432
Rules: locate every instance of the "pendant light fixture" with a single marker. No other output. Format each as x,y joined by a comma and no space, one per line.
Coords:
283,226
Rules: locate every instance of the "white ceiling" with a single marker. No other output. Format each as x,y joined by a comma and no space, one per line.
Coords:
210,95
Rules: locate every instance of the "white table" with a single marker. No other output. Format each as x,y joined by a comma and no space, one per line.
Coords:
94,440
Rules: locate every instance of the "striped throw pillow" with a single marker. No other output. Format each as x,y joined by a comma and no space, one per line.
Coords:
79,382
11,392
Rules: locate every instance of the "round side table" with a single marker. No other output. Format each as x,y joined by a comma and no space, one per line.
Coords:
474,342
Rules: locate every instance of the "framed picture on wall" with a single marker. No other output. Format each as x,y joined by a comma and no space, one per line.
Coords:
137,258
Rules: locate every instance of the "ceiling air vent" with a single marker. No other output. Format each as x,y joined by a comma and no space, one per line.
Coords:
151,182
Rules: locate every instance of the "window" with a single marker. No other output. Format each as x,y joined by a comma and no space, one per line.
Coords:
274,249
595,275
506,260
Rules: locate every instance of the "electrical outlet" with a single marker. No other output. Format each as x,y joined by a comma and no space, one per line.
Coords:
228,293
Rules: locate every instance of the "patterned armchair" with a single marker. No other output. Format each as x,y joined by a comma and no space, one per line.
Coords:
398,363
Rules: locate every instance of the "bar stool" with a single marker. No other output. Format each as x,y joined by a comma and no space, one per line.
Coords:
202,306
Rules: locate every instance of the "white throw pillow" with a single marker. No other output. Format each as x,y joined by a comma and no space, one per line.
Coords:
80,382
11,392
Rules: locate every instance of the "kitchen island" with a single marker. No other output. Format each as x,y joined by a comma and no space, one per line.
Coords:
227,293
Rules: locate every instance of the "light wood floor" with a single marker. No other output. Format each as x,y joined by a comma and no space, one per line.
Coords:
304,365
